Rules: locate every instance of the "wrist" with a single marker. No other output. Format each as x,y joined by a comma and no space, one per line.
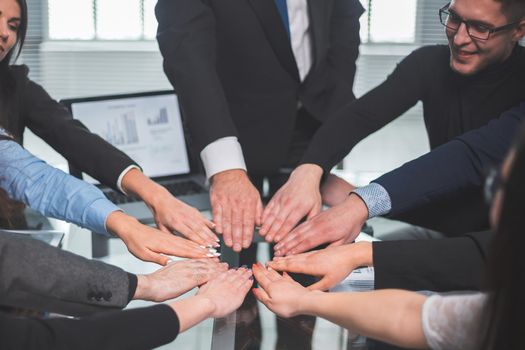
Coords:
119,224
362,253
143,287
307,302
357,208
205,305
228,175
313,171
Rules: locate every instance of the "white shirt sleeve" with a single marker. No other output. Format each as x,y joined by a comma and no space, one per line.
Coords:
221,155
452,321
121,177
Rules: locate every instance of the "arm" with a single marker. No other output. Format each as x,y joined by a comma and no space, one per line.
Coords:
393,316
38,276
186,37
91,154
156,325
456,165
438,265
56,194
336,137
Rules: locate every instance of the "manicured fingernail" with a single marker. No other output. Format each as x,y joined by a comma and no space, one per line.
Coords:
251,278
203,247
211,250
237,247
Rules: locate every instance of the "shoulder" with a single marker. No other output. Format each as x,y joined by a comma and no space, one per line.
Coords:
430,53
19,72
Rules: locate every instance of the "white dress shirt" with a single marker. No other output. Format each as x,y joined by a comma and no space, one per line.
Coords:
226,153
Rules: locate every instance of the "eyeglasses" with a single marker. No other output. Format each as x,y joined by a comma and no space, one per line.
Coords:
493,184
475,29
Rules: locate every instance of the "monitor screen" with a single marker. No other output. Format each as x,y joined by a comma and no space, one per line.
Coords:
147,128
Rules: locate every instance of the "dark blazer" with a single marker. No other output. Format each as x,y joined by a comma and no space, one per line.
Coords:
446,264
144,328
232,66
39,277
35,109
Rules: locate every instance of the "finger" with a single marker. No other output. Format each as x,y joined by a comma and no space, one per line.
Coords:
290,265
181,247
315,210
277,224
337,243
236,227
206,238
288,225
273,275
226,226
308,242
188,231
163,228
261,295
258,212
248,226
268,209
148,255
323,284
269,219
217,217
261,275
288,277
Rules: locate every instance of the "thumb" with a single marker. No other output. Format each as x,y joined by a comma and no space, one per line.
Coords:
316,209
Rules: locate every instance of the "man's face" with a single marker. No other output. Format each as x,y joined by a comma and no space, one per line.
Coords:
469,56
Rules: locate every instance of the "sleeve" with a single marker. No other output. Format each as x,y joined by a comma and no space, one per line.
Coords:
456,165
438,265
187,41
453,321
144,328
345,38
51,191
53,123
342,131
39,277
221,155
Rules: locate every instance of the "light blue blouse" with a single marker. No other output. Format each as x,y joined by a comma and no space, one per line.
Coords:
51,191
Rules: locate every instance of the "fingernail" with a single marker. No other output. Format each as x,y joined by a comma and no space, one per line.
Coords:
203,247
237,247
216,245
251,278
213,255
211,250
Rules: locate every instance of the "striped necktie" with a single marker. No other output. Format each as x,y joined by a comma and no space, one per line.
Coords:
283,12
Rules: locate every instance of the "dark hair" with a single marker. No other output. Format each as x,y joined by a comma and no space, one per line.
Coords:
504,314
514,9
7,81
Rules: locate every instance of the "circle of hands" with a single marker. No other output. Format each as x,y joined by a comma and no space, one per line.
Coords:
237,209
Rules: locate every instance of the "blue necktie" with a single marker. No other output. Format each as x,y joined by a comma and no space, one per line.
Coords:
283,12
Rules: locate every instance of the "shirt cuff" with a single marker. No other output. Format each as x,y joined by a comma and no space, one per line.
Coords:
121,177
221,155
376,199
97,214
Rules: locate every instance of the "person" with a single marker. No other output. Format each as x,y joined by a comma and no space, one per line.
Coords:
37,276
141,328
57,194
26,104
462,87
492,319
437,265
255,80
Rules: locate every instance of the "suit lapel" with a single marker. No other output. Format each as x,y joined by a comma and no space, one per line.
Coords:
276,34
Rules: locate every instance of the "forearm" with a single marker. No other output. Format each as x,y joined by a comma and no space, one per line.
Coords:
192,310
135,182
393,316
51,191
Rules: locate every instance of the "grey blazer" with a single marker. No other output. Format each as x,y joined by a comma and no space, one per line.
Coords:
37,276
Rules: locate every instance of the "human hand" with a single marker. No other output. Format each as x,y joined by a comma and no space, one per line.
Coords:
227,291
299,197
332,264
281,294
337,225
177,278
150,244
236,207
172,215
334,190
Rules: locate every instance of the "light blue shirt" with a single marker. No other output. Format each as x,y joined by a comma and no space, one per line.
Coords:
51,191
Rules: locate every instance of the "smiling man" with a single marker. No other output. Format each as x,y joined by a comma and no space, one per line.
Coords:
462,85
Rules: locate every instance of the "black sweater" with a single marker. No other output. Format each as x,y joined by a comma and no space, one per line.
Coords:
453,104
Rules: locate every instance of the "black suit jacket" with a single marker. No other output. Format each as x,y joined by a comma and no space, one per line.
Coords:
459,165
232,66
32,107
